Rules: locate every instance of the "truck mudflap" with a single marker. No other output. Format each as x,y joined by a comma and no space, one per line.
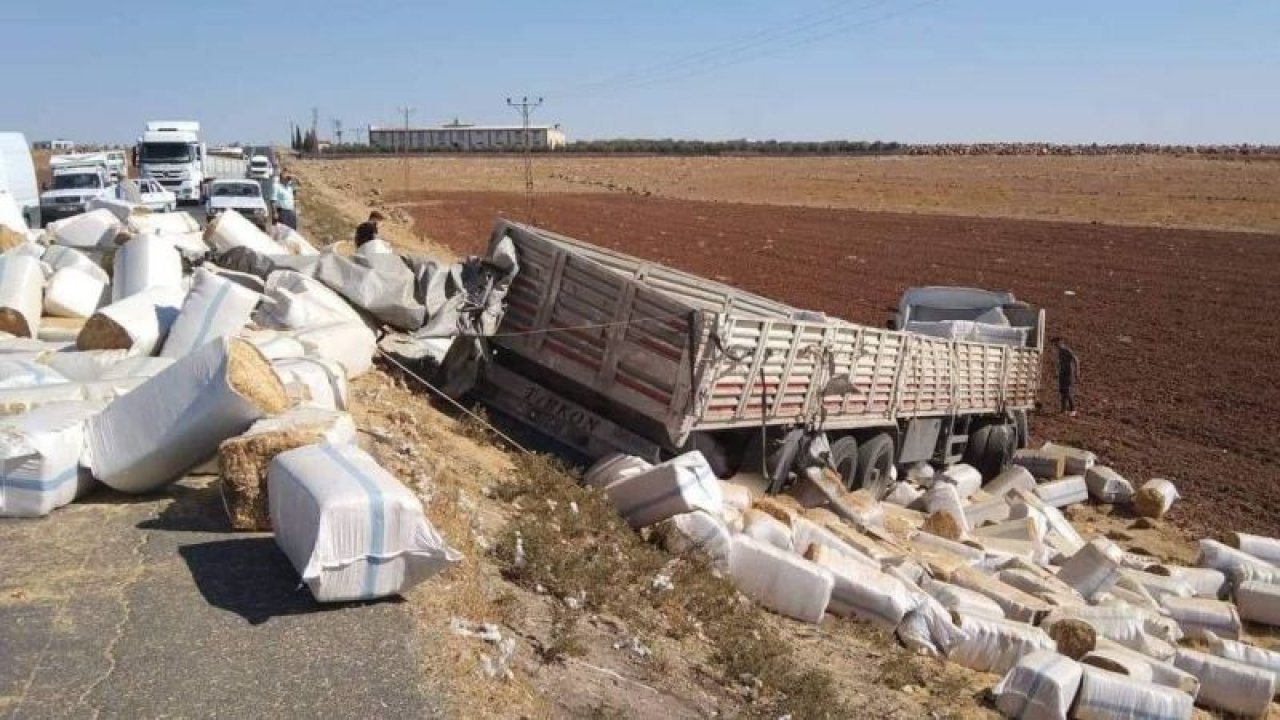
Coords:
562,420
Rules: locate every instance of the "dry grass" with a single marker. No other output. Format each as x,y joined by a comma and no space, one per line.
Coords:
1156,190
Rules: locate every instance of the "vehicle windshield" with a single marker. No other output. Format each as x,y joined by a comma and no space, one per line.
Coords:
236,190
166,152
79,181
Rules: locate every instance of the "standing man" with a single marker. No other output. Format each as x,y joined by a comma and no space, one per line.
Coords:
282,198
368,230
1068,374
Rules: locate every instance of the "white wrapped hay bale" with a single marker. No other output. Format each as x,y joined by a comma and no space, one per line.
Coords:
243,461
904,494
138,323
59,258
175,420
292,240
965,478
136,367
72,293
1160,672
1236,651
863,591
145,262
1106,695
1226,559
349,528
215,308
172,223
698,531
1094,569
763,527
1204,582
1017,605
275,345
612,468
350,344
1259,602
1075,460
1266,549
21,295
780,581
15,373
944,497
1199,616
83,366
97,228
988,510
1154,498
995,646
1228,685
40,459
313,382
1041,686
1107,485
1041,464
16,401
1159,586
1068,490
962,600
680,485
295,301
231,230
1011,478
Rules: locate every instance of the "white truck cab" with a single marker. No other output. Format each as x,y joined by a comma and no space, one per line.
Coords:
260,167
74,185
171,153
242,196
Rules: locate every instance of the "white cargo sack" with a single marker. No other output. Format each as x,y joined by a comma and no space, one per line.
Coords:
962,600
965,478
275,345
215,308
40,459
350,529
21,295
1105,695
1094,569
16,373
1011,478
1075,460
1041,686
1264,548
292,240
144,262
173,421
1068,490
294,301
16,401
1250,655
231,230
139,367
72,293
680,485
87,230
350,344
612,468
1259,602
1228,685
59,257
763,527
995,646
1154,498
944,497
1226,559
863,591
1199,616
1107,485
138,323
313,382
780,581
84,366
698,531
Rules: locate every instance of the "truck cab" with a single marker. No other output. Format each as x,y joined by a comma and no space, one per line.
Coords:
260,167
242,196
73,186
170,152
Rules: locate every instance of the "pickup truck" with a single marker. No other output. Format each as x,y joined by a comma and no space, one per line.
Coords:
72,187
603,352
242,196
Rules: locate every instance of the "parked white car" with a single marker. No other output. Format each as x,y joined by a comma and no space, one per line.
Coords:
242,196
260,167
148,193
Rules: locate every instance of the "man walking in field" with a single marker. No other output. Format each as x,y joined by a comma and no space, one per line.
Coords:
1068,374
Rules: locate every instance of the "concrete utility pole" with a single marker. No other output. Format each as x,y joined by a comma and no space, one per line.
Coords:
315,127
406,111
337,130
525,107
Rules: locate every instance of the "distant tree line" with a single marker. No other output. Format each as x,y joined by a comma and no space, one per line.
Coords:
304,142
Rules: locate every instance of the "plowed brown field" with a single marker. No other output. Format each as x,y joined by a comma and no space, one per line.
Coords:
1176,329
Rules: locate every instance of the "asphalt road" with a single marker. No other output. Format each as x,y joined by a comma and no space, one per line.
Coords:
132,607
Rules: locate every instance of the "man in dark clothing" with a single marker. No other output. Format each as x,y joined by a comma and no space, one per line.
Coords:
1068,374
368,230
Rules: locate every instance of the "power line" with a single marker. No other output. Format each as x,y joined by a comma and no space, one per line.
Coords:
525,107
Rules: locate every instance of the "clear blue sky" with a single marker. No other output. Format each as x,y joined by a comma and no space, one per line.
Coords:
955,70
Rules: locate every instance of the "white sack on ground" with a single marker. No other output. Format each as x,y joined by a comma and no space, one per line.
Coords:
1075,460
1011,478
1068,490
163,223
780,581
904,494
682,484
21,295
145,262
40,459
1160,672
380,284
1123,626
944,497
1259,602
761,526
1105,695
138,323
1041,686
176,419
989,510
84,366
1159,586
294,301
97,228
1107,485
1226,559
59,257
275,345
992,645
1094,569
292,240
1205,582
16,401
350,344
136,367
1043,465
1198,616
1228,685
350,529
313,382
1154,498
612,468
1247,654
1264,548
698,531
862,591
962,600
24,373
72,293
215,308
965,478
231,230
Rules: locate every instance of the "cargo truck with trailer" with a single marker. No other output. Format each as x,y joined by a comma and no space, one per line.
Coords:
603,352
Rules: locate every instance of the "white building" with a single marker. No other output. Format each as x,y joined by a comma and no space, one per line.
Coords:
458,136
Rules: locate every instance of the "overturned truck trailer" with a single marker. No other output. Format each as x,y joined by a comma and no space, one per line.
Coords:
605,352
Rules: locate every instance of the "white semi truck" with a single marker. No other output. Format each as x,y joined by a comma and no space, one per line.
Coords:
172,153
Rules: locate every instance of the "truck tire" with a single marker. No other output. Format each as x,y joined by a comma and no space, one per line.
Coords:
719,456
844,457
875,463
976,447
990,448
1022,429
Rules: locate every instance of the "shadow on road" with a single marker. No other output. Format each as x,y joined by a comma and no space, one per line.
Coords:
249,577
192,509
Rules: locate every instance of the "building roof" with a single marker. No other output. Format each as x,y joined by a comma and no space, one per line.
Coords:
375,128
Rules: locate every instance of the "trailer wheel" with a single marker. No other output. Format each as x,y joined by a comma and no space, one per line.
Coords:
976,448
875,465
1022,429
844,456
990,448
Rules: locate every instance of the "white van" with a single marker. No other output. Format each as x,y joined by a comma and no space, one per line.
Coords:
18,175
